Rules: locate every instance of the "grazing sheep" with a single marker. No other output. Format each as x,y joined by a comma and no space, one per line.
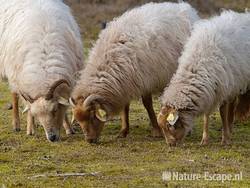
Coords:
40,51
135,56
214,70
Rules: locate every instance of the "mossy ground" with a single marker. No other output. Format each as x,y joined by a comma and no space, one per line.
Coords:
137,161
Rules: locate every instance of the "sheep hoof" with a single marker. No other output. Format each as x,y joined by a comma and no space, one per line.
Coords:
204,142
225,142
122,134
16,126
30,133
17,129
189,133
156,133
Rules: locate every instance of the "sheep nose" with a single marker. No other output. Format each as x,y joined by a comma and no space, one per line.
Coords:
52,137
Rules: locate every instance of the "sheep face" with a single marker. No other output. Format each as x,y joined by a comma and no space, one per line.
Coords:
50,114
91,117
50,110
90,124
173,125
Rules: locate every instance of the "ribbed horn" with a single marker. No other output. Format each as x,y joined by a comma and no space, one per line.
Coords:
52,89
27,97
90,99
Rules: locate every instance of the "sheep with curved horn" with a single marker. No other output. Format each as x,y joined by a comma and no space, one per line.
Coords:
40,52
135,56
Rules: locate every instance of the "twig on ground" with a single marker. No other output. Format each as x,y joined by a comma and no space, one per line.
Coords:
64,175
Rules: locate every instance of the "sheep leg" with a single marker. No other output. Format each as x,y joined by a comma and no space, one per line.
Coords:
225,127
69,130
205,136
15,113
125,122
231,114
30,124
148,104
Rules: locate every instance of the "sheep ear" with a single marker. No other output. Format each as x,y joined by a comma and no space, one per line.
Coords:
101,115
26,109
172,117
63,101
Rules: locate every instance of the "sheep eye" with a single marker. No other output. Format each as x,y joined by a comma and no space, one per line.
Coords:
54,110
122,42
168,125
172,127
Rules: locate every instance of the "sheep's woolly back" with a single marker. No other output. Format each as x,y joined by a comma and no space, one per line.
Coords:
40,43
215,64
137,53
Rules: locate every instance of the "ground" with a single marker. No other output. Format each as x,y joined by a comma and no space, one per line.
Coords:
136,161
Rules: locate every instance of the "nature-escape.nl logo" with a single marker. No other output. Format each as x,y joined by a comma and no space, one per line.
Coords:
178,176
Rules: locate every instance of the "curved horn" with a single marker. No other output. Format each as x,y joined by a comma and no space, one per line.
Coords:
90,99
50,93
27,97
72,102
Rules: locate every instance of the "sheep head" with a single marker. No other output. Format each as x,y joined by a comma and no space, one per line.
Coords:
50,109
91,114
173,124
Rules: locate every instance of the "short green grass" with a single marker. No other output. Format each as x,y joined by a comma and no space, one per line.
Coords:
137,161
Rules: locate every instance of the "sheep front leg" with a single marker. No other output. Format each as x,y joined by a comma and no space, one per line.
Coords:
125,122
205,136
30,124
69,130
15,113
148,104
225,128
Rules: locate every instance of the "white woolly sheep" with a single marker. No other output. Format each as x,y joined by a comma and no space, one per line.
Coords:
135,56
40,51
213,71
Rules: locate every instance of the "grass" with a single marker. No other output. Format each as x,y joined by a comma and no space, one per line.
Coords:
91,13
137,161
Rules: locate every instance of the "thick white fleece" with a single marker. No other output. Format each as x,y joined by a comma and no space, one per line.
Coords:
215,64
137,53
40,43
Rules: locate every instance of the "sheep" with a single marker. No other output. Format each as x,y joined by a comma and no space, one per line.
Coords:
135,56
40,51
213,71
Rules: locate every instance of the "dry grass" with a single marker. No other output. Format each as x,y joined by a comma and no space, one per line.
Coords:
91,13
137,161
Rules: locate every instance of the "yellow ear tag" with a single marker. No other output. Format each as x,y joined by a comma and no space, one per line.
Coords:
101,115
172,118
